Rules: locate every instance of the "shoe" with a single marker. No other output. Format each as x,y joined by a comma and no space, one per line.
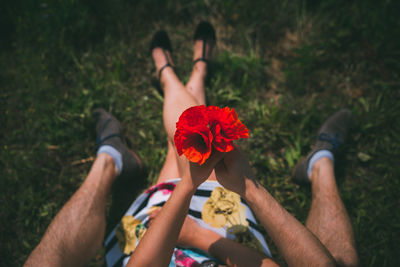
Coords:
205,32
331,135
109,132
161,40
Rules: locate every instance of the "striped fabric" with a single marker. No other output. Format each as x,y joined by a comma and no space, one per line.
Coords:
200,209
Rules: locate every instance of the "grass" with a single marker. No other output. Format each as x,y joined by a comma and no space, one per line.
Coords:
284,65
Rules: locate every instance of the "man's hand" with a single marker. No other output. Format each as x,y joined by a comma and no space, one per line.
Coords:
234,172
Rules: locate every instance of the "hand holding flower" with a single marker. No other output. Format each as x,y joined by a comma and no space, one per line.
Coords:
199,173
234,172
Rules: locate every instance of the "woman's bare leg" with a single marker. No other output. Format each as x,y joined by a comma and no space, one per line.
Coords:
195,86
176,100
196,83
328,218
170,168
76,233
176,97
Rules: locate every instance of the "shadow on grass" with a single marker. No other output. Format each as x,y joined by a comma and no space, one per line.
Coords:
124,191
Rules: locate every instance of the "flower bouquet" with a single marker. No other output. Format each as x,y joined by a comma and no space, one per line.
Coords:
201,128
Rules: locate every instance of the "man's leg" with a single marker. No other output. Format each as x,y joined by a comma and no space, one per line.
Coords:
328,218
76,233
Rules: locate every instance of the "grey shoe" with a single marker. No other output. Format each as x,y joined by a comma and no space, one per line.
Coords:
330,136
109,132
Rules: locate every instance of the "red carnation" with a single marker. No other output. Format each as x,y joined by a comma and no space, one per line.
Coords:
199,127
225,127
193,137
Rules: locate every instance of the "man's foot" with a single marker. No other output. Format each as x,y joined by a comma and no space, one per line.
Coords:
204,42
161,50
110,140
330,136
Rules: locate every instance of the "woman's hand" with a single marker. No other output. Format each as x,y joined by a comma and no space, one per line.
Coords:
197,174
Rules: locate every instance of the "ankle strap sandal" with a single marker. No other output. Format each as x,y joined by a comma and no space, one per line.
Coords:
161,40
205,32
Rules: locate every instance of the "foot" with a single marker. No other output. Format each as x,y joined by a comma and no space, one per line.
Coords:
204,42
109,133
161,50
331,135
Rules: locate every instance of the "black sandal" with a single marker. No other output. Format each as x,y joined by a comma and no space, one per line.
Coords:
205,32
161,40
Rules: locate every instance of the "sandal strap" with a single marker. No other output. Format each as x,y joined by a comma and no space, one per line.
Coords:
168,64
162,68
203,59
203,56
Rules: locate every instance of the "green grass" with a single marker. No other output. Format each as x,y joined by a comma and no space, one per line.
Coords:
284,65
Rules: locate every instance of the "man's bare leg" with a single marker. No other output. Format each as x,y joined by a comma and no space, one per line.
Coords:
76,233
328,218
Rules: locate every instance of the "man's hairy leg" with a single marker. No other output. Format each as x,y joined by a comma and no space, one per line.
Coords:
76,233
297,244
328,218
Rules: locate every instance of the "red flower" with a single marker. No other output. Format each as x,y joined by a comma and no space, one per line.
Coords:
193,137
225,127
199,127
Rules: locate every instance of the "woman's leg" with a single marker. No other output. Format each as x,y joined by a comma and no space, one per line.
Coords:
196,83
176,100
204,43
170,168
176,97
195,86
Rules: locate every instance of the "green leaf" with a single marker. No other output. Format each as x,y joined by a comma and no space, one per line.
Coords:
364,157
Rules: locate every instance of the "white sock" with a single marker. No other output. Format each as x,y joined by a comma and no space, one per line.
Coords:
117,157
318,155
